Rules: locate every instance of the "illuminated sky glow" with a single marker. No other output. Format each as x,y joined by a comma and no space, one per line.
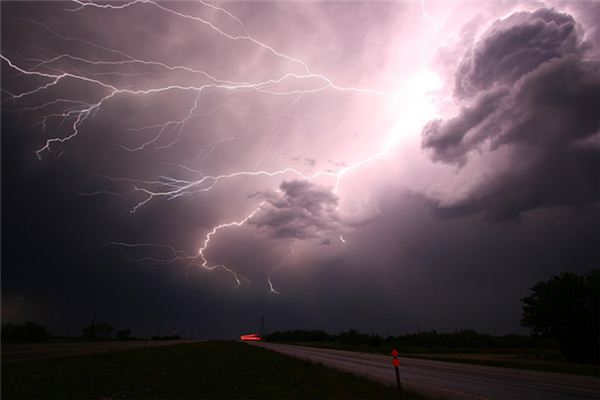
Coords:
272,144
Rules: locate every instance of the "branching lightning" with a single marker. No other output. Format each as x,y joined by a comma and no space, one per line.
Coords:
428,16
75,113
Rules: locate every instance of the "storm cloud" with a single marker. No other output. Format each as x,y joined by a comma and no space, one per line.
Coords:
527,89
299,210
514,46
338,165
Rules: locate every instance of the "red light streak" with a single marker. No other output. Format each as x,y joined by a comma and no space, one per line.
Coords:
253,337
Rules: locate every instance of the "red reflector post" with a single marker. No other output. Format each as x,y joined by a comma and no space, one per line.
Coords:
396,363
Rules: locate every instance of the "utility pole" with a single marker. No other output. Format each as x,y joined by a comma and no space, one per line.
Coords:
262,330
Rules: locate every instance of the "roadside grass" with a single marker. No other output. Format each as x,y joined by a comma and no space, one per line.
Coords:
217,370
546,360
518,363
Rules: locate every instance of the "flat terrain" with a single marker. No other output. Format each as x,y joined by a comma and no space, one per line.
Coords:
38,351
452,380
222,370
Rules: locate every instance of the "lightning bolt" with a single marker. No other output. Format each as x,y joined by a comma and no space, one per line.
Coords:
76,113
429,17
271,287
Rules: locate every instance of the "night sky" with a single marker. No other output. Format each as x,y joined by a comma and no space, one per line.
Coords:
375,166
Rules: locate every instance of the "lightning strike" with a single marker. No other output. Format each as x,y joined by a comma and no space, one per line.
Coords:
428,16
78,112
271,288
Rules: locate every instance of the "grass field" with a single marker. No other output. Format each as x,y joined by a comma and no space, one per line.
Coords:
513,361
225,370
548,360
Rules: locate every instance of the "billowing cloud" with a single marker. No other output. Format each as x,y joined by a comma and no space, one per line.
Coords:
299,210
515,46
526,88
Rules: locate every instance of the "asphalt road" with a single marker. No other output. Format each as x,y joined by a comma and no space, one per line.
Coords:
452,380
24,352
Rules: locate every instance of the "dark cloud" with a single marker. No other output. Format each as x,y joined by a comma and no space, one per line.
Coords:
529,90
311,162
514,46
452,139
588,13
299,210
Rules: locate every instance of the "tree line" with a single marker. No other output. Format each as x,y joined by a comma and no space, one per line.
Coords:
31,332
462,339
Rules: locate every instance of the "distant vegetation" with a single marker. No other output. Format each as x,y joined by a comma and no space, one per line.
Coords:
124,334
167,337
432,340
27,332
100,330
31,332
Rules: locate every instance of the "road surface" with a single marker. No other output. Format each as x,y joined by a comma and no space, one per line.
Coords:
24,352
452,380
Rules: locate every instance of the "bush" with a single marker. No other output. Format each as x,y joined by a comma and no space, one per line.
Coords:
124,334
27,332
101,330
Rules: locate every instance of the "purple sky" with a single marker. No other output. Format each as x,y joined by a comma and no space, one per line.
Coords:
368,165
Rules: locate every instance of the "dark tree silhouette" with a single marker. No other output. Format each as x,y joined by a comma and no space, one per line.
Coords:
567,308
27,332
101,330
124,334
